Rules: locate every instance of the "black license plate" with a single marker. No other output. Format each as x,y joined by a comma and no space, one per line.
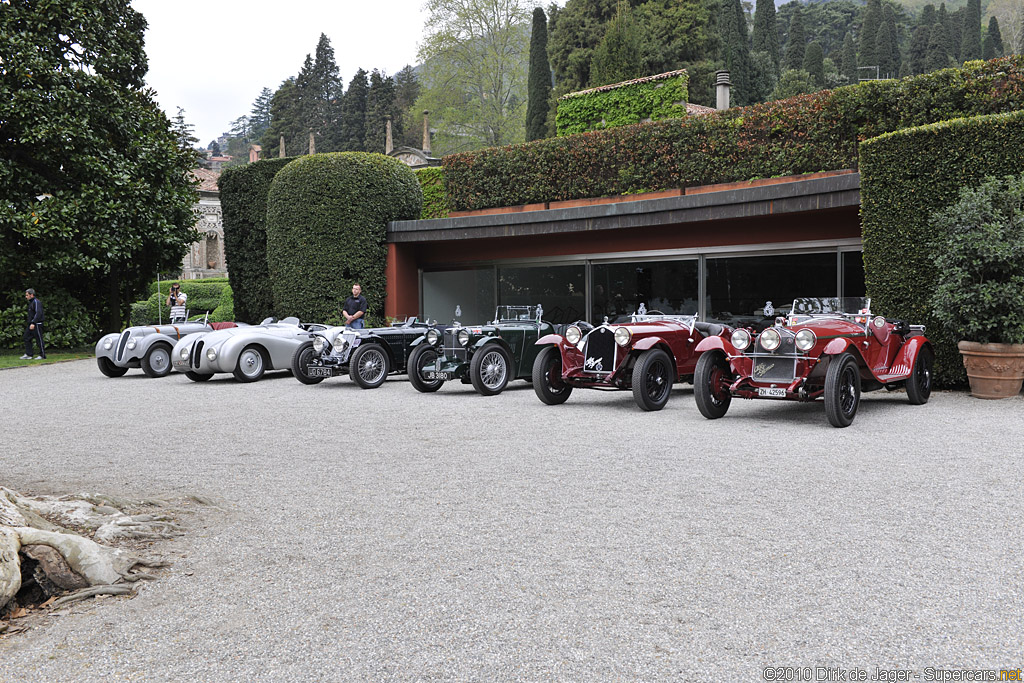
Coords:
317,371
434,374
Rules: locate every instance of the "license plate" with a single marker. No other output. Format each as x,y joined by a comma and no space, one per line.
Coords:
771,392
317,371
434,374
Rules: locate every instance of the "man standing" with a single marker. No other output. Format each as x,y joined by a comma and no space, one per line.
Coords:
34,326
354,309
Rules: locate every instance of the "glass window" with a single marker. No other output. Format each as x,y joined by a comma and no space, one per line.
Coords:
853,274
738,288
619,288
471,290
559,289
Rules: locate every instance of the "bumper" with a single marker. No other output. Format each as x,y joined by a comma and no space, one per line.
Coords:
129,359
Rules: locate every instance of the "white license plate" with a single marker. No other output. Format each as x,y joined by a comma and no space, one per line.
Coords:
434,374
317,371
771,392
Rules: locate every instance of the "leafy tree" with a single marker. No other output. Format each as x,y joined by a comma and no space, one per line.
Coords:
380,104
677,32
970,42
96,196
766,31
833,77
796,45
794,82
539,86
848,59
617,57
870,26
353,113
214,148
814,63
993,41
573,33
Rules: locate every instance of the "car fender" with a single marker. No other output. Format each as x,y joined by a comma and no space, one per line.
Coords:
230,350
715,342
493,340
837,346
105,353
572,358
417,341
910,351
375,340
556,339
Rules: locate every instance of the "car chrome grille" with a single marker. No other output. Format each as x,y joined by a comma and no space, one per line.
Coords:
452,347
197,353
773,368
121,344
599,351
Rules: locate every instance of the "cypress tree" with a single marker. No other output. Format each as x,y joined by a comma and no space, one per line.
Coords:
955,29
917,56
797,43
407,89
993,41
736,45
766,32
939,53
353,114
927,16
539,85
617,57
970,41
814,64
887,51
848,59
869,33
380,104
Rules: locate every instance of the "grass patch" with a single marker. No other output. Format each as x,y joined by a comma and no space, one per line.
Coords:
10,358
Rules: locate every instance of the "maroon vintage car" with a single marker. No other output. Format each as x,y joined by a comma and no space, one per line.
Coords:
647,354
826,348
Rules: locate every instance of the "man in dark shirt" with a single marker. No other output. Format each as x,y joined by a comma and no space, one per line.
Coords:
354,309
34,325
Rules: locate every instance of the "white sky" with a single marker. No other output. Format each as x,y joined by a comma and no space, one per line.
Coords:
212,58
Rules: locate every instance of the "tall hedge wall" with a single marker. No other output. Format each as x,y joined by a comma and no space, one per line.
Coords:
435,197
803,134
243,201
599,108
907,176
327,218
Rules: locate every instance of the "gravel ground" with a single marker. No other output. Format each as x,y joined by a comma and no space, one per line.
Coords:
390,535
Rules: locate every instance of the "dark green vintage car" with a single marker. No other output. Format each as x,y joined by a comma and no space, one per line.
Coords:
488,355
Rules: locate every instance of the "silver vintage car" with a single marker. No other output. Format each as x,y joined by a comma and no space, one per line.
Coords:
247,352
147,347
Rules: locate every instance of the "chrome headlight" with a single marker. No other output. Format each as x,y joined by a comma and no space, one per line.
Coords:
740,339
770,339
184,353
622,336
464,337
806,339
879,322
108,344
319,344
212,354
432,337
132,343
573,335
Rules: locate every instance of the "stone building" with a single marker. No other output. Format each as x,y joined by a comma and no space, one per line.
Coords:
206,256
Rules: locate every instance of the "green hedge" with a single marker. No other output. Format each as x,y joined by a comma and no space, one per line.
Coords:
243,201
67,322
906,177
653,100
804,134
327,218
211,295
435,198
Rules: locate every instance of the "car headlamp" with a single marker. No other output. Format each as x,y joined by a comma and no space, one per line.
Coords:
573,335
770,339
464,337
740,339
432,337
878,322
108,344
319,344
806,339
132,344
212,354
184,353
622,336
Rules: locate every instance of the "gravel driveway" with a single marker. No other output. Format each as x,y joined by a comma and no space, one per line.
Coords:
392,535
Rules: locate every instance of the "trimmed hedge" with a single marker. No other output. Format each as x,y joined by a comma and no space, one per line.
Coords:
211,295
243,201
908,176
67,322
327,217
649,100
435,198
809,133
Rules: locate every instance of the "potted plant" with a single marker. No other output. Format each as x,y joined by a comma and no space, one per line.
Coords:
980,292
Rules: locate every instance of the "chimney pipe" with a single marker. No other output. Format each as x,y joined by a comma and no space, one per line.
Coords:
426,132
722,85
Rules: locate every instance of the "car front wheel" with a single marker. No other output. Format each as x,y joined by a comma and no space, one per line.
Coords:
547,377
842,390
108,368
711,384
423,360
197,376
300,362
653,376
157,361
251,364
919,384
489,370
369,366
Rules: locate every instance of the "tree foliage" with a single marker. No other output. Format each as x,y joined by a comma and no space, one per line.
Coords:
796,42
993,46
766,32
539,84
617,57
970,43
736,52
814,63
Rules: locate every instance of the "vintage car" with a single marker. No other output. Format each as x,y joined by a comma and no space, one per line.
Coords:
488,355
147,347
247,352
826,348
367,355
648,353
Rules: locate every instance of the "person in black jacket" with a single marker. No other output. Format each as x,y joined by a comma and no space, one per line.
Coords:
34,325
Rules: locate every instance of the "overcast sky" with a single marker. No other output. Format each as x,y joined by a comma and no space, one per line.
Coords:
213,57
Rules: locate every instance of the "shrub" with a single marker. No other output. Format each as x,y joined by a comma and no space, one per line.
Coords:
809,133
67,323
208,295
652,99
225,311
243,200
327,218
435,198
980,292
906,177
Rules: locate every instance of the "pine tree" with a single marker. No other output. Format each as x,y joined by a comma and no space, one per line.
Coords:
539,86
814,63
259,117
917,56
407,89
618,57
285,121
927,17
766,32
325,94
353,114
797,43
970,42
939,52
955,29
848,59
887,51
993,41
736,52
380,104
869,29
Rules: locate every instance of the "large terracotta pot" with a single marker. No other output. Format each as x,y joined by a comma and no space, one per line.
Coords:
994,370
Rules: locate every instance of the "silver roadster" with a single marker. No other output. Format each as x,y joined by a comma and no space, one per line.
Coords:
247,352
147,347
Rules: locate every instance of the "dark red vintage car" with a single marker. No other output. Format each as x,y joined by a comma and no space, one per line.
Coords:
826,348
647,354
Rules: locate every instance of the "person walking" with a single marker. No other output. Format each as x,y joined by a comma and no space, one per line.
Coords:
34,326
354,309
